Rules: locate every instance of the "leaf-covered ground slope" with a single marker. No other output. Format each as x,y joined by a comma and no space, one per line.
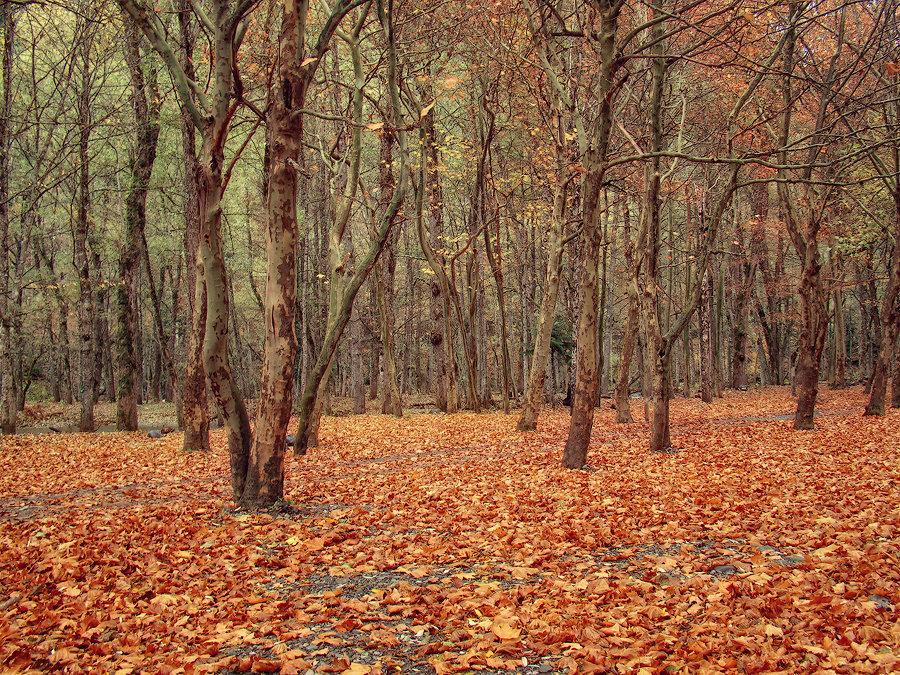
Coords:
455,544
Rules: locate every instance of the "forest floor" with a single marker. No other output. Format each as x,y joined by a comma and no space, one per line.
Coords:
452,543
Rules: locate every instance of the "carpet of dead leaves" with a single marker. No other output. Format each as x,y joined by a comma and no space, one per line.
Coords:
452,544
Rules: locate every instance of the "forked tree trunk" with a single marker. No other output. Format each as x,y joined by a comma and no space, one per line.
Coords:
212,112
309,412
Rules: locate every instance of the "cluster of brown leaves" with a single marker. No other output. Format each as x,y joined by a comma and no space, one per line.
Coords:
754,549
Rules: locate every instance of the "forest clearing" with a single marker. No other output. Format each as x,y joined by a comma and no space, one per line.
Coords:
454,543
313,314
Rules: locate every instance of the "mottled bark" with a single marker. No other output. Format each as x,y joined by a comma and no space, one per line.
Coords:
211,111
265,480
196,405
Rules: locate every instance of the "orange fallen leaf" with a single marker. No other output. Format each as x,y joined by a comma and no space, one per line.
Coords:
505,630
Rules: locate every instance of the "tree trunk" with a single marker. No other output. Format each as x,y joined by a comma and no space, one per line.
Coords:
623,371
895,386
889,317
813,313
265,477
86,311
495,261
215,339
196,405
194,400
146,134
534,392
839,369
445,387
431,242
385,271
587,373
101,324
8,407
657,341
341,302
392,403
357,374
718,326
743,274
163,352
706,339
687,356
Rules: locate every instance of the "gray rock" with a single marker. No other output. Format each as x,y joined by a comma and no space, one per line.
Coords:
723,570
882,602
790,560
